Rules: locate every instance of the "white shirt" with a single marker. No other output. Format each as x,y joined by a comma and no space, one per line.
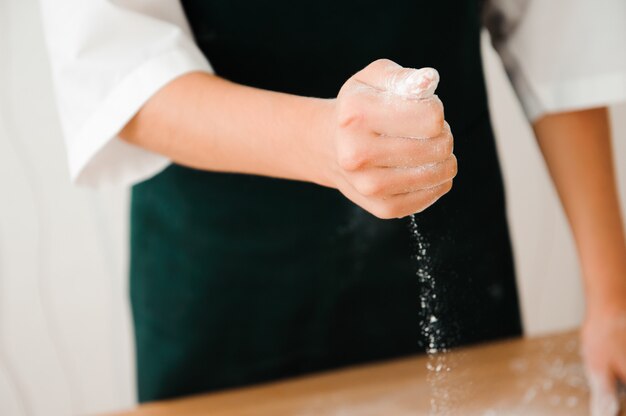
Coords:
108,57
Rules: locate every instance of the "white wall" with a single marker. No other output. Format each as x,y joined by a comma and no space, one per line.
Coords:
65,345
65,340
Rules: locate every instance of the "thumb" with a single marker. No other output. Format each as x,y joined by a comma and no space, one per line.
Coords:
388,76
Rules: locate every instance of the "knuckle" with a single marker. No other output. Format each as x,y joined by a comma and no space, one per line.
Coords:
351,160
443,148
370,187
435,118
448,145
429,201
421,204
385,212
446,187
350,115
437,121
453,168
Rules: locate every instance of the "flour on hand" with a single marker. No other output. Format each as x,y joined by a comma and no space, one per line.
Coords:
413,83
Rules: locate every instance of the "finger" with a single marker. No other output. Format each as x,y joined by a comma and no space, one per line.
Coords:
398,117
403,152
398,101
385,182
620,371
387,76
397,206
603,393
414,202
357,151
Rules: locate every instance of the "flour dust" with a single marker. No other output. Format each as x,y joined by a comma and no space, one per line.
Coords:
443,397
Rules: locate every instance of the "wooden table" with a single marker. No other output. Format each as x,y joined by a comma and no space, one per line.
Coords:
540,376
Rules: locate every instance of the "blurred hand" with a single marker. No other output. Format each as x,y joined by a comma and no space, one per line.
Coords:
604,353
391,146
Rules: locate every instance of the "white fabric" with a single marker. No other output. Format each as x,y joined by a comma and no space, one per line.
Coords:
110,56
561,55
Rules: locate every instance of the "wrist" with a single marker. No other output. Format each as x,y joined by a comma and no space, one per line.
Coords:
604,272
607,296
318,146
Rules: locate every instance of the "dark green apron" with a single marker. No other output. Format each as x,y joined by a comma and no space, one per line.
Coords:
238,279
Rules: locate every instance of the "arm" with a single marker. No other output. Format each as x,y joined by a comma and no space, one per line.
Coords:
577,150
361,143
208,123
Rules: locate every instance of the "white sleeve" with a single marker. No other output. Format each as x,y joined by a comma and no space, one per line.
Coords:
561,55
108,57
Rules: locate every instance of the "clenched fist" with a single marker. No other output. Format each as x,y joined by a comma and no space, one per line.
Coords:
390,142
383,142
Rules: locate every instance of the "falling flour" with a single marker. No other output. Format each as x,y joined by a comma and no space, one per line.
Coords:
421,84
439,363
429,322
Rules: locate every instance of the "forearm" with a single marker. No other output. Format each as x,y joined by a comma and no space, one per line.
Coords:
577,150
206,122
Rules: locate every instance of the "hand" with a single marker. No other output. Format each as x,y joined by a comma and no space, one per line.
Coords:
604,354
392,149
